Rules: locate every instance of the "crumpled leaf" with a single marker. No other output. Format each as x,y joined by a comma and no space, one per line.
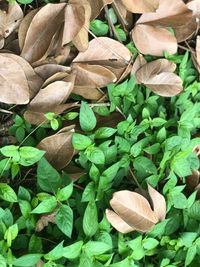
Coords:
41,31
134,209
13,83
159,203
58,147
141,6
138,63
119,224
154,41
158,77
192,180
10,19
47,70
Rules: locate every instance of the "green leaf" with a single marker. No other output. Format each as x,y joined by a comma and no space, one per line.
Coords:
104,132
56,253
144,166
25,208
20,134
137,148
98,27
157,122
46,205
191,253
191,199
112,15
194,210
122,144
35,244
10,151
71,115
64,220
72,251
152,150
161,135
150,243
11,233
7,193
188,238
14,170
27,260
24,194
123,263
65,193
181,167
86,117
95,155
94,173
90,219
88,193
30,155
86,260
47,177
54,124
50,115
96,248
80,141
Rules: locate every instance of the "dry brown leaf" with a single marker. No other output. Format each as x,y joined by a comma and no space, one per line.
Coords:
45,219
124,16
24,25
192,180
108,50
153,41
170,13
74,21
47,70
198,49
159,203
119,224
13,83
92,76
74,172
134,210
141,6
34,81
58,76
9,20
139,62
59,149
87,93
186,31
195,7
41,30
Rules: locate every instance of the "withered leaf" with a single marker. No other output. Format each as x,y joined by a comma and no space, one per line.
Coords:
192,180
87,92
47,70
9,20
198,49
41,30
97,6
13,83
59,148
58,76
169,14
139,62
141,6
134,209
153,41
74,172
119,224
159,203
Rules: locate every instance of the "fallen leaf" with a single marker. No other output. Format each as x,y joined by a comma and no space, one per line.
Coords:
59,148
58,76
74,172
41,30
198,49
74,21
47,70
134,210
138,63
153,41
170,13
159,203
9,20
141,6
87,93
185,31
192,180
119,224
195,7
13,83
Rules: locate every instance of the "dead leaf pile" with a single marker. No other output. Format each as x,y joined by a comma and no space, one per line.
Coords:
133,211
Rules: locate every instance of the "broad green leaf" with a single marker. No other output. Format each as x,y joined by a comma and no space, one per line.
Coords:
11,233
98,27
96,248
104,132
86,117
56,253
150,243
72,251
90,219
10,151
191,253
7,193
24,194
86,260
138,147
88,193
25,208
48,178
30,155
64,220
80,141
27,260
95,155
161,135
65,192
152,150
157,122
123,263
46,205
94,173
194,210
191,199
122,144
188,238
35,244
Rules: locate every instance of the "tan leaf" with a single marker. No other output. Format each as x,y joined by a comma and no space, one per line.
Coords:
139,62
74,172
159,203
45,219
59,149
141,6
74,21
198,49
117,222
58,76
192,180
34,81
195,7
10,19
13,84
134,210
108,50
41,30
185,31
24,25
169,14
153,41
47,70
87,92
97,6
92,75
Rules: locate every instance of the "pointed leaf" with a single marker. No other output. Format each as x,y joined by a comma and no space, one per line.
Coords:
141,6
